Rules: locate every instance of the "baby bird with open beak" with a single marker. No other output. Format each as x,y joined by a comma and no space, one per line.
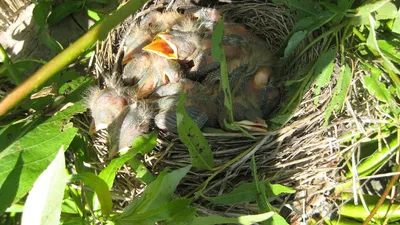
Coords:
143,33
193,48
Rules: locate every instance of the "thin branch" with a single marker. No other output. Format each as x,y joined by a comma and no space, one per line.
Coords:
98,32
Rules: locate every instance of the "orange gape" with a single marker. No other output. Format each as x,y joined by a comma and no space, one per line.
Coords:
161,47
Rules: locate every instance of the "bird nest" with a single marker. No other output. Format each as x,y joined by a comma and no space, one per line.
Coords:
302,154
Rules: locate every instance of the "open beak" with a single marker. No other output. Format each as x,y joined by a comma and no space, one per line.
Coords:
162,47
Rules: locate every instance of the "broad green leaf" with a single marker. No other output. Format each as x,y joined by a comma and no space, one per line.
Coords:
396,24
27,149
373,46
157,193
245,192
190,134
63,10
151,216
277,189
390,49
43,205
387,11
182,216
371,7
332,7
143,144
379,90
100,188
277,220
245,220
40,13
323,71
340,92
294,42
142,173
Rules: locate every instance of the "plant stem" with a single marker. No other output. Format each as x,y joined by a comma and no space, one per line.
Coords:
394,179
67,56
15,77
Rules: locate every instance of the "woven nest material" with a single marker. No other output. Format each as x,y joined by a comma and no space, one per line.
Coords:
303,154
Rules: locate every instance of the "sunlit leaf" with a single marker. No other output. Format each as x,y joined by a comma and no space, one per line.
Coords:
157,194
245,220
390,49
143,144
371,7
182,216
43,205
245,192
396,24
323,70
387,11
261,196
190,134
27,150
142,173
340,92
100,188
277,189
151,216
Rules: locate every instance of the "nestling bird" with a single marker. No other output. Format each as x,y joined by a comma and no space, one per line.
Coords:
105,105
144,32
134,121
200,104
148,72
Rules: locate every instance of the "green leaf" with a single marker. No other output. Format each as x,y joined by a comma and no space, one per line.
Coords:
63,10
323,71
340,92
40,13
216,50
182,216
390,49
371,7
94,15
157,193
50,42
143,144
151,216
245,192
27,149
277,220
245,220
294,41
387,11
43,205
142,173
396,24
377,89
277,189
261,196
72,221
190,134
100,188
219,55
